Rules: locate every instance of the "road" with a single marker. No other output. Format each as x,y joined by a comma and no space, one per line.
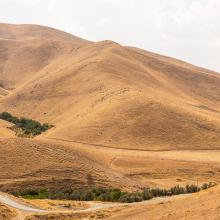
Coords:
18,205
15,203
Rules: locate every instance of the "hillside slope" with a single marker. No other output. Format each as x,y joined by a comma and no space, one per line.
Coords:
47,165
27,49
107,94
193,207
5,131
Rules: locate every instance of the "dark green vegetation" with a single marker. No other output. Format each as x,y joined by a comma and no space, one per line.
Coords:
33,194
110,195
25,127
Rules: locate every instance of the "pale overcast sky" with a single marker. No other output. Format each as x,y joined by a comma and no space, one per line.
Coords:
185,29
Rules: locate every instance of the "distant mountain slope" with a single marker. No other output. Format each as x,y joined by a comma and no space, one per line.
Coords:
27,49
104,93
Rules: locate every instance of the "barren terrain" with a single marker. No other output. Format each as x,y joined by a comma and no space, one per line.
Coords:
123,118
108,94
7,213
204,206
4,129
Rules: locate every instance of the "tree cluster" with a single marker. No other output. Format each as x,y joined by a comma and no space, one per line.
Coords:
28,127
110,195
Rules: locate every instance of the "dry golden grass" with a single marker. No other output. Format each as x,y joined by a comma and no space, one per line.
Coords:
26,49
123,118
154,168
57,205
200,206
104,93
71,216
57,164
38,164
4,129
6,213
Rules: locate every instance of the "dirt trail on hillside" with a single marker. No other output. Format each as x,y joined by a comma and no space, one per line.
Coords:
26,210
17,204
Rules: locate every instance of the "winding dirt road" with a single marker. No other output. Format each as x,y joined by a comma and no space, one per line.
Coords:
18,204
26,210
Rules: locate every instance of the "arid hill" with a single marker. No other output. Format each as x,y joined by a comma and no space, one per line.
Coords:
201,206
123,118
47,165
105,93
5,132
26,49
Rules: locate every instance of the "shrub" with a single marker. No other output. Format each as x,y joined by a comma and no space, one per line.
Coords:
75,195
87,196
192,188
116,194
131,197
32,194
204,186
176,190
147,194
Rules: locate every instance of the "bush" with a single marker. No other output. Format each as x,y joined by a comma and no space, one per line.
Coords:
176,190
204,186
32,194
147,194
75,195
192,188
131,197
159,192
116,194
87,196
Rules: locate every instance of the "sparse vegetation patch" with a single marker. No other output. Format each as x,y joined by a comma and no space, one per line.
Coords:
25,127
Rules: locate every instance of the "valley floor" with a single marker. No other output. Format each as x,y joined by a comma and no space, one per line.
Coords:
202,205
155,168
122,118
44,162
